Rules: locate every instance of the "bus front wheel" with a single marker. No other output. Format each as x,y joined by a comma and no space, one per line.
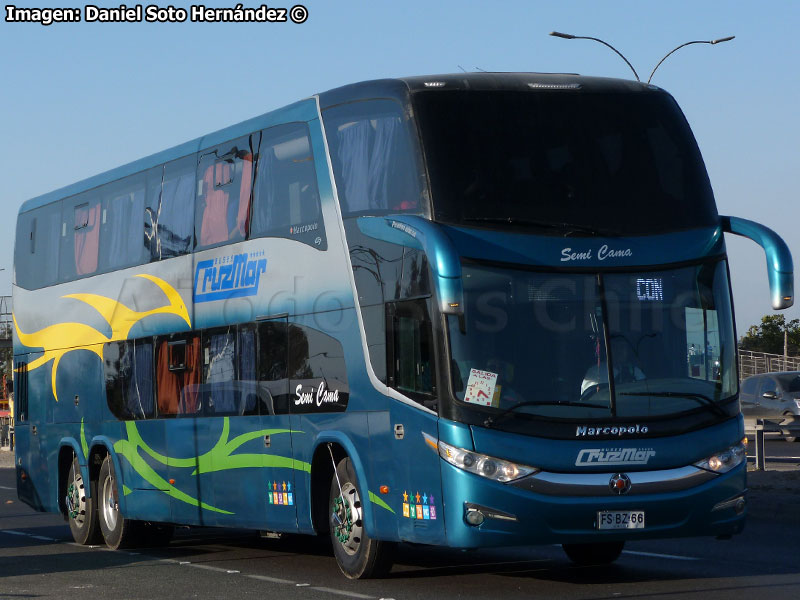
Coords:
118,531
80,507
594,554
358,555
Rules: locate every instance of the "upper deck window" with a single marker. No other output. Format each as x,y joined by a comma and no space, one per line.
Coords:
224,182
618,163
80,236
36,250
169,217
375,158
286,200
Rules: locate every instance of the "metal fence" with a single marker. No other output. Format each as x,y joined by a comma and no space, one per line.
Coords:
755,363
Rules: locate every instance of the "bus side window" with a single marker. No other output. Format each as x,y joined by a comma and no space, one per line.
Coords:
224,181
272,366
128,368
410,352
220,394
317,371
374,158
120,240
80,236
21,392
36,250
169,214
178,372
250,402
286,199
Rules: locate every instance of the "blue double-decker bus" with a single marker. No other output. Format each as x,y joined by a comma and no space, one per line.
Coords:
467,310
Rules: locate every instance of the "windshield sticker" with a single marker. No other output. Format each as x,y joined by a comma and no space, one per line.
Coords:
480,387
614,456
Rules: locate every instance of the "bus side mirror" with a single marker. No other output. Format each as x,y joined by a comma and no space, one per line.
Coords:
779,260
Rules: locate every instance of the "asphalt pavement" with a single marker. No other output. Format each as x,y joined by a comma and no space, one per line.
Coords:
39,559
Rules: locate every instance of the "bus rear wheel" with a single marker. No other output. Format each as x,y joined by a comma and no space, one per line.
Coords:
80,507
118,531
358,555
593,554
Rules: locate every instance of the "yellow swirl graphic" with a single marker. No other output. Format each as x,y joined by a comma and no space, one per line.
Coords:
62,338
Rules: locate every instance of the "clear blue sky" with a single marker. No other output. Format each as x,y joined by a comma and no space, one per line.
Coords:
78,99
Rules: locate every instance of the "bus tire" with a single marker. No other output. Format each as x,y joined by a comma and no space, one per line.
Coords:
594,554
358,555
118,531
81,510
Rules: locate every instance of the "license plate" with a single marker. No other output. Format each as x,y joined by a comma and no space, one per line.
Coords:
620,519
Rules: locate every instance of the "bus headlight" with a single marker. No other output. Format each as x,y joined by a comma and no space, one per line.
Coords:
724,461
496,469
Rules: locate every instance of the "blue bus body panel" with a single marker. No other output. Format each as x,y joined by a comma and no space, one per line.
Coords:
562,455
587,252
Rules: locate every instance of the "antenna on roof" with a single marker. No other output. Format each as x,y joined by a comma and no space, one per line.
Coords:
462,68
481,70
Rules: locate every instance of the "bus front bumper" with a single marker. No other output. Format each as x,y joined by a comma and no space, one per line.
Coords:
480,512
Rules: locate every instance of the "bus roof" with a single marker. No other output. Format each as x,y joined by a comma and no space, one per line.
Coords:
302,110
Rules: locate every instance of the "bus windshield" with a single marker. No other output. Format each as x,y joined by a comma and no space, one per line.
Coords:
537,344
615,163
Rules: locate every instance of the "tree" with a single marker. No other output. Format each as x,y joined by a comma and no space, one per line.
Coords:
768,337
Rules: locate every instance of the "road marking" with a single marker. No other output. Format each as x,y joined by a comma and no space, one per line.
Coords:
41,537
341,592
270,579
12,532
2,487
210,568
655,555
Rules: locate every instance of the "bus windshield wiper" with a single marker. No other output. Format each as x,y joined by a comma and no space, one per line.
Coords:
566,229
701,398
494,419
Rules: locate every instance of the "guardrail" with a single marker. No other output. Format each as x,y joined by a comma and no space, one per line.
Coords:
755,363
757,430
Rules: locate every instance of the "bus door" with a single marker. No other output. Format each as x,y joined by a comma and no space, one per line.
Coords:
277,490
187,432
410,362
242,376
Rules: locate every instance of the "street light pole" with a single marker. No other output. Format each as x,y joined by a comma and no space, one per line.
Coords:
785,346
569,36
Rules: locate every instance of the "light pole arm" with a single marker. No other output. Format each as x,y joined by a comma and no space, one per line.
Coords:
568,36
712,42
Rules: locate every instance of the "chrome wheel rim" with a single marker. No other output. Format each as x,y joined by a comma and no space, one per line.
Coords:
110,509
76,500
347,521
